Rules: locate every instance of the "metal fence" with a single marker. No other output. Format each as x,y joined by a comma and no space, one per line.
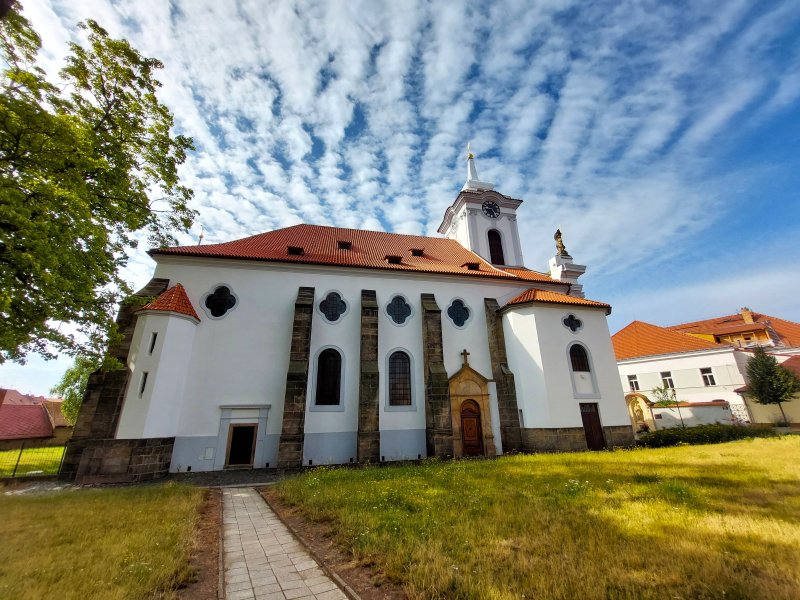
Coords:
30,460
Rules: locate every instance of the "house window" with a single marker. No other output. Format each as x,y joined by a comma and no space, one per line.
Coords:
633,383
398,310
329,378
708,376
143,384
666,380
153,338
399,379
496,248
579,358
458,312
333,307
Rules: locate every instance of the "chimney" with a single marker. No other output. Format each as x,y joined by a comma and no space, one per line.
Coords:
747,316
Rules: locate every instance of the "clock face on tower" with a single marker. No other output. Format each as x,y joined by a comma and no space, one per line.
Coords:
490,209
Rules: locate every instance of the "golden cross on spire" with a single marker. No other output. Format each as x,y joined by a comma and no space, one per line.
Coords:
469,152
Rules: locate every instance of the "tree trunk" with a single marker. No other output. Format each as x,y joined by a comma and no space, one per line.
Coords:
783,415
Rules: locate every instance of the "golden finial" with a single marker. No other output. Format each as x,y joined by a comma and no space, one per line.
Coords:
200,239
469,152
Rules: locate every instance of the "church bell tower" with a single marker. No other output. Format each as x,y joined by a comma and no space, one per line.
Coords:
484,220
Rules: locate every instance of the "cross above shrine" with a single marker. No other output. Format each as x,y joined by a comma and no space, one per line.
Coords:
465,354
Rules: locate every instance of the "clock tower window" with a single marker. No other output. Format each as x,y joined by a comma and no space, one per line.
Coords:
496,248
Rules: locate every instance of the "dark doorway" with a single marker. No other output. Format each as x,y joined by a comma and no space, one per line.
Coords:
241,445
471,435
592,427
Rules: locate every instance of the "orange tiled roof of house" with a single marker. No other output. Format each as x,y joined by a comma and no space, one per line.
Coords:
21,421
335,246
9,396
173,300
534,295
787,331
643,339
53,408
529,275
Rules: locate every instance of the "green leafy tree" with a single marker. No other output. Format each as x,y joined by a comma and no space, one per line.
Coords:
84,167
769,382
72,385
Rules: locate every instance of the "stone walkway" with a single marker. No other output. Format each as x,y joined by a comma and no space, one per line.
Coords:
263,560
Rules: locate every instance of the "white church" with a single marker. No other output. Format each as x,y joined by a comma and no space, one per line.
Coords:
316,345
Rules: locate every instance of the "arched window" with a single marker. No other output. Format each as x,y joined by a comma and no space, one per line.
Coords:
496,248
579,358
329,377
399,379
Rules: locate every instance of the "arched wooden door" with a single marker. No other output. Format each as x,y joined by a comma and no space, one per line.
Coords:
471,434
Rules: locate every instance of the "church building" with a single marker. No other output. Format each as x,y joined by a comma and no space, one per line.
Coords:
315,345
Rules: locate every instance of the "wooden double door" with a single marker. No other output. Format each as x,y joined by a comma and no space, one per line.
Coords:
471,430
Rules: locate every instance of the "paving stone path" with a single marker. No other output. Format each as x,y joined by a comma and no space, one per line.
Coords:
263,560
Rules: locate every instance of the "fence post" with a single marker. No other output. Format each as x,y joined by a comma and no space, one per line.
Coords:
14,473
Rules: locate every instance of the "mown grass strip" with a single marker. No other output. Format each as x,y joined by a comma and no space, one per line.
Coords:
131,542
690,522
31,461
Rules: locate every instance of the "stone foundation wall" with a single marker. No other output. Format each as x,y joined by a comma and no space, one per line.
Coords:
573,439
118,461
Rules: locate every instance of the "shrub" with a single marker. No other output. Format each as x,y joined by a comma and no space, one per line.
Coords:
701,434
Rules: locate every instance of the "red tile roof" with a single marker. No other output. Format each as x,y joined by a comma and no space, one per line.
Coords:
643,339
534,295
792,364
8,396
318,245
529,275
787,331
54,412
173,300
21,421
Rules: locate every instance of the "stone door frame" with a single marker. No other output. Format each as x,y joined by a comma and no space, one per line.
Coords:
468,384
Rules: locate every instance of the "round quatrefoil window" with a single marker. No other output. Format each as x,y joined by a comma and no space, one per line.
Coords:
398,310
572,323
333,307
219,301
458,312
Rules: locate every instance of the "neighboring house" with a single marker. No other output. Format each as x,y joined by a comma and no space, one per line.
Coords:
319,345
704,362
34,420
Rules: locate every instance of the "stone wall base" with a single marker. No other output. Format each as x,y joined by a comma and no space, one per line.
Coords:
572,439
117,461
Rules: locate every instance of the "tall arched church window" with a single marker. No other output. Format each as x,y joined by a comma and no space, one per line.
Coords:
579,358
329,377
496,248
399,379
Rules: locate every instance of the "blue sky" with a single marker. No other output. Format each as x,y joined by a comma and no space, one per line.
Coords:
662,138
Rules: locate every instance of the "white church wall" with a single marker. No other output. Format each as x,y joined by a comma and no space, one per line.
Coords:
242,358
152,410
546,392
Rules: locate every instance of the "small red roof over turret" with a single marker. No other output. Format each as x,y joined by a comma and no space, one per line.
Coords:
534,295
173,300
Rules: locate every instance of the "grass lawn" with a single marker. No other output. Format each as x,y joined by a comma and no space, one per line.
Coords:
34,461
131,542
687,522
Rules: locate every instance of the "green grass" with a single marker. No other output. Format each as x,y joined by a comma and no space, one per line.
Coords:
34,461
687,522
107,543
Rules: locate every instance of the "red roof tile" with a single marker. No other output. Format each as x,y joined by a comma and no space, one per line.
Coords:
318,245
643,339
8,396
54,412
787,331
21,421
529,275
173,300
792,364
534,295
